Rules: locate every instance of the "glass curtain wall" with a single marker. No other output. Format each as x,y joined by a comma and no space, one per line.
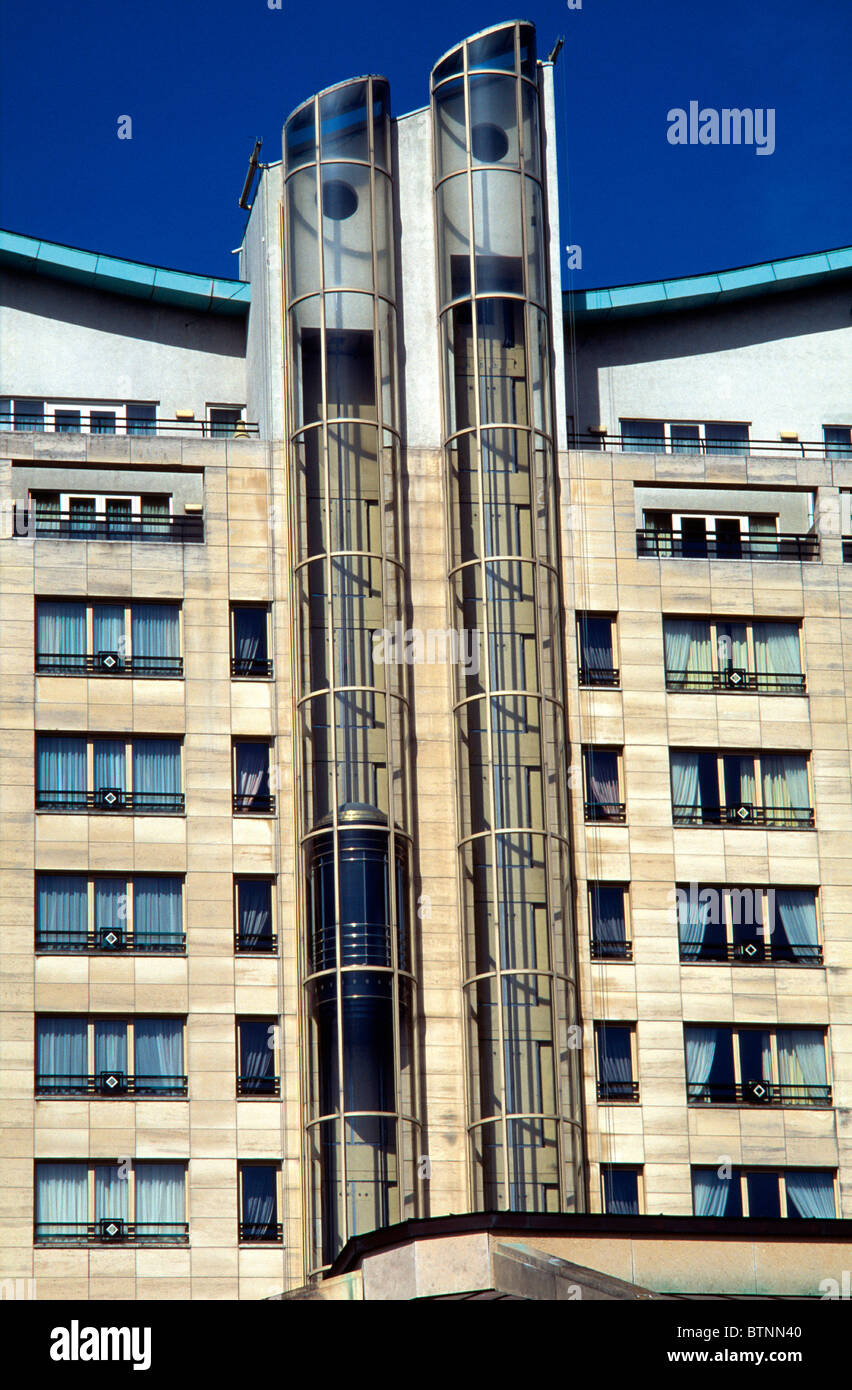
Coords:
353,716
524,1098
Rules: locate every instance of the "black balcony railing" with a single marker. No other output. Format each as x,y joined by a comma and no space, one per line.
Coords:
613,811
736,681
111,1231
253,803
99,420
612,950
757,1093
772,817
110,1083
599,675
112,799
663,545
107,664
271,1232
251,666
258,1086
247,944
110,939
618,1090
658,444
750,953
74,526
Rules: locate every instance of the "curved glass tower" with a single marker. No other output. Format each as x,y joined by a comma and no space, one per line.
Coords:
524,1097
352,707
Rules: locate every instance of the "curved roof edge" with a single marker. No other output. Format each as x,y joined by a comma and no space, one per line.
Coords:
694,291
205,293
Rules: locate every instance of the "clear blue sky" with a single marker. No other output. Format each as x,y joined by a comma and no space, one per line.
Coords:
202,78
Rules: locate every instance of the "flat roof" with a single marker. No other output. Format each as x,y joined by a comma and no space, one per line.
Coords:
204,293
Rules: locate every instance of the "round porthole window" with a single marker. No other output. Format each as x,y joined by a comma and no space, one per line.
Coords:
489,143
339,200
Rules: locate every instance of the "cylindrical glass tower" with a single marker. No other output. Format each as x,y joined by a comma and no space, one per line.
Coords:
524,1096
352,707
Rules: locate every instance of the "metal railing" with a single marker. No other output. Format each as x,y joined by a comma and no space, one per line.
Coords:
736,681
107,664
31,523
111,939
756,1093
109,1083
618,1090
361,943
272,1232
258,1085
58,422
253,803
111,1230
598,675
613,811
711,448
784,545
245,943
750,953
251,666
611,950
776,818
114,800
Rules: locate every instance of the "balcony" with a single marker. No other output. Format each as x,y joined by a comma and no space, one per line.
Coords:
258,1086
253,804
746,815
108,664
707,448
270,1232
112,800
750,953
28,524
735,681
110,1083
615,812
599,675
110,940
618,1090
254,667
612,950
111,1231
103,420
667,545
757,1092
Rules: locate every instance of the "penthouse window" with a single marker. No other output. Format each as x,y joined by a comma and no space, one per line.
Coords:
748,926
250,641
756,1066
662,436
140,914
744,789
796,1193
717,535
251,778
110,1203
140,777
614,1046
621,1189
94,516
595,647
838,441
608,918
108,639
259,1203
603,797
109,1057
710,655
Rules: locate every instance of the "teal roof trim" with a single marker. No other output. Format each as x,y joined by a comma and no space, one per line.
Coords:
204,293
698,291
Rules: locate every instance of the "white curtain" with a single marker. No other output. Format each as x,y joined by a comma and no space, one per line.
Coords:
157,912
685,781
61,635
160,1197
810,1194
61,1199
710,1192
62,1052
687,648
156,767
110,1045
700,1053
693,917
776,649
158,1051
110,1193
801,1061
62,911
252,769
785,782
796,908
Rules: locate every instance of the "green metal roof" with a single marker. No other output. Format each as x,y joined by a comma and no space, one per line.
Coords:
204,293
698,291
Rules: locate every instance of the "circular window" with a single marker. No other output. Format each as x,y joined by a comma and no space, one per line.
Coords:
489,143
339,200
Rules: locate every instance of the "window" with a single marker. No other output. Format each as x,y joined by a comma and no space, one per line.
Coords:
108,639
614,1047
250,642
602,800
141,419
608,921
83,1203
251,779
643,436
756,1066
110,517
660,437
748,925
254,932
257,1073
258,1184
838,441
109,1057
76,913
29,415
224,420
620,1188
745,789
102,422
67,422
736,657
108,774
722,536
796,1193
595,650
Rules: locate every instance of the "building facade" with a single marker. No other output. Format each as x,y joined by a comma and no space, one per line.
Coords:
425,777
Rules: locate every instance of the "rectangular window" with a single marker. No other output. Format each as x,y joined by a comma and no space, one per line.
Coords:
709,655
224,420
76,913
109,1057
756,1066
838,441
104,774
141,419
748,925
116,1203
66,421
741,789
726,437
254,932
595,659
259,1203
251,779
257,1073
602,800
29,415
620,1190
794,1193
643,436
102,422
250,641
608,918
614,1048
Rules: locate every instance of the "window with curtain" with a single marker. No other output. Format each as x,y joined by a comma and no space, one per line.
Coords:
61,1201
160,1192
701,922
254,915
62,912
643,436
784,782
62,1057
110,1047
595,658
615,1062
155,639
60,773
620,1190
251,644
110,769
74,1202
108,633
715,1193
157,774
686,646
810,1194
838,441
112,1193
158,1056
796,923
726,437
256,1057
609,929
60,636
158,914
602,785
777,656
709,1064
802,1074
251,777
259,1202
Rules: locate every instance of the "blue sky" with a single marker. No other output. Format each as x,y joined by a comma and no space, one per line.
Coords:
201,79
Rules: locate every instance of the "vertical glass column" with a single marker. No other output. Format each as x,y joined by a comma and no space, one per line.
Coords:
352,707
524,1097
